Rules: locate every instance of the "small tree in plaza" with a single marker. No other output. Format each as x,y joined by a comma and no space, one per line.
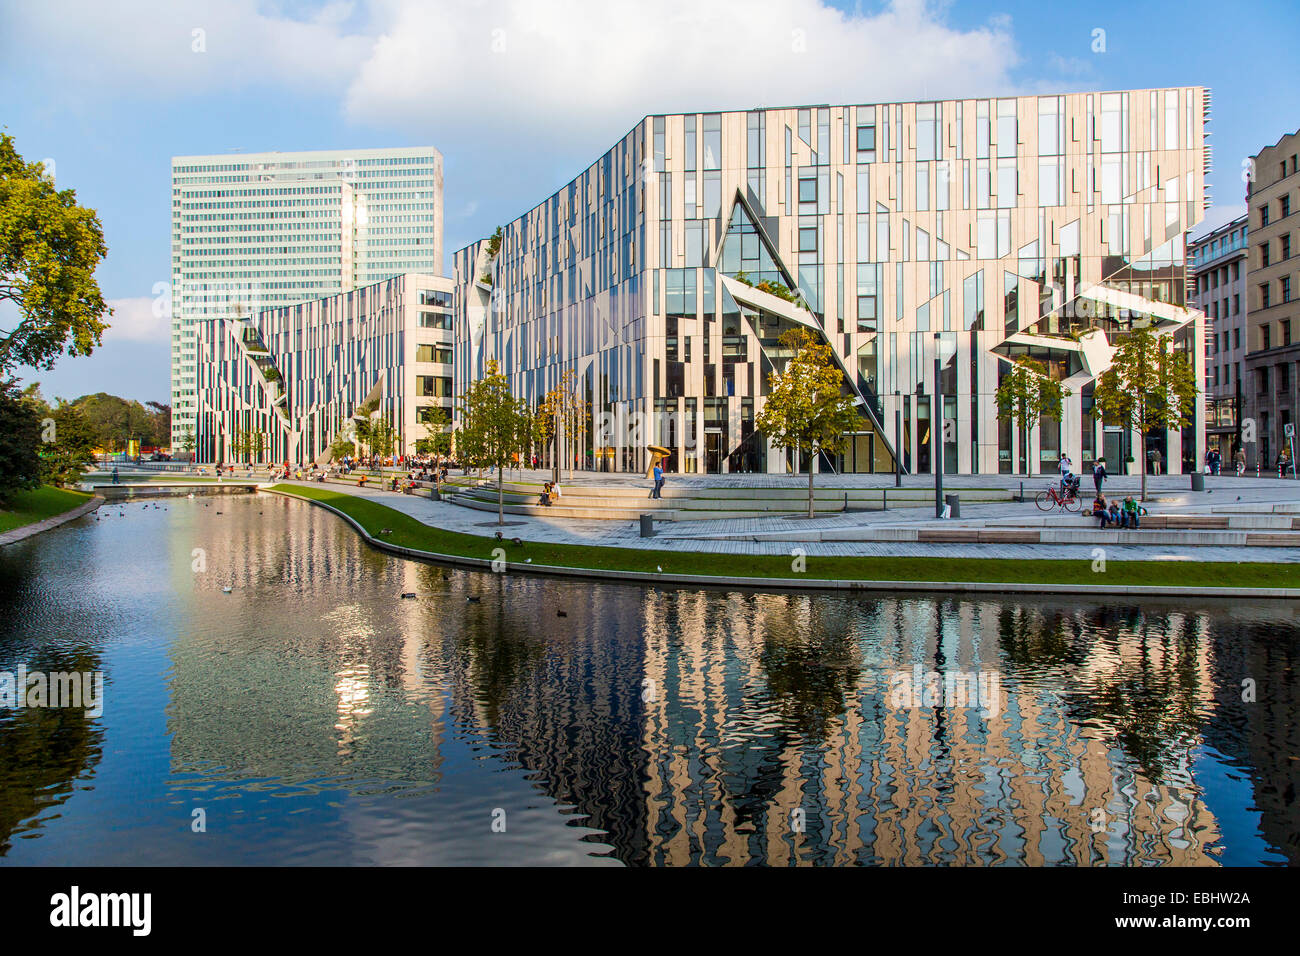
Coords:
241,444
806,409
1027,394
563,421
438,442
495,426
383,437
1148,386
341,447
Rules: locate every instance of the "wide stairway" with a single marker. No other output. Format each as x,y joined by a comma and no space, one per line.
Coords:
588,500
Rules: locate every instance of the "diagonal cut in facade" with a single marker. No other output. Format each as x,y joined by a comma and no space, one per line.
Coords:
975,230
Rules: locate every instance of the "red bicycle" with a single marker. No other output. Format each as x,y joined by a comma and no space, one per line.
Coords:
1053,498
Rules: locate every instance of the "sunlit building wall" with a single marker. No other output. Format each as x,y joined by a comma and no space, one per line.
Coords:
973,230
252,231
299,376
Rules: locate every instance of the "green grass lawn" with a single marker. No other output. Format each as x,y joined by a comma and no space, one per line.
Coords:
409,533
28,507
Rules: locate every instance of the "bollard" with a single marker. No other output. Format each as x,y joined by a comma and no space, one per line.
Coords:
884,499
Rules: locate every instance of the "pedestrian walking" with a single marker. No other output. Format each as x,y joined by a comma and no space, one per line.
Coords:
659,481
1239,459
1099,474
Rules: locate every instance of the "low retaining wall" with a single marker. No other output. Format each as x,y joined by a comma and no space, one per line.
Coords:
162,489
27,530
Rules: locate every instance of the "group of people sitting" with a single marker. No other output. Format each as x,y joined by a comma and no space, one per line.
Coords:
1112,512
550,491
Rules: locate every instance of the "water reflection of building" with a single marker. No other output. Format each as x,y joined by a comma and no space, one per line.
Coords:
562,695
1256,656
690,726
806,724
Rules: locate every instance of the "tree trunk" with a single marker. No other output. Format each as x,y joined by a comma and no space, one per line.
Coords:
1142,463
810,486
501,505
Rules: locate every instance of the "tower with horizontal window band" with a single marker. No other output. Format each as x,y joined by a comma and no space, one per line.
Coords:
256,231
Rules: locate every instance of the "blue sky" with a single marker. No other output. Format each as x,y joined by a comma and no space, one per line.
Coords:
520,95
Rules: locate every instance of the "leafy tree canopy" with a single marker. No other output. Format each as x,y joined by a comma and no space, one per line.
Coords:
49,249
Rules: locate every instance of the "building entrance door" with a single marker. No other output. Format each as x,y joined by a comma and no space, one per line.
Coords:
1112,448
713,452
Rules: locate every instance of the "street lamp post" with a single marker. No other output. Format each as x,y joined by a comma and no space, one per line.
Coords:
936,433
898,439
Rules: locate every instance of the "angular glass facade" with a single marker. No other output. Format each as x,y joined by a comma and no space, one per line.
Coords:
974,231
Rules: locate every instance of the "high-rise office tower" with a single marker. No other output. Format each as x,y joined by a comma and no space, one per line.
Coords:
260,230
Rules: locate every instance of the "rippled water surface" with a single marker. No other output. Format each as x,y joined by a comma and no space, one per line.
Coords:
313,716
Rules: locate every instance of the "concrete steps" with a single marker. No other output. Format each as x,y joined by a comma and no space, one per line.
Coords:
1028,535
691,503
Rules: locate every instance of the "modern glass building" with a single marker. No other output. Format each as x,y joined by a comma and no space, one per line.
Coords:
296,376
973,231
253,231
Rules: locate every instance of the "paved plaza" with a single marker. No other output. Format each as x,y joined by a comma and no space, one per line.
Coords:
1166,495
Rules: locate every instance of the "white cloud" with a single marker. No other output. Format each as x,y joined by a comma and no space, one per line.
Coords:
134,320
563,67
549,68
180,49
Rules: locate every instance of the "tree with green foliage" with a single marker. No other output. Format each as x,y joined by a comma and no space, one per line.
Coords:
241,443
341,447
160,414
116,421
20,440
49,249
562,420
188,442
1025,396
495,427
1148,386
807,410
67,445
438,442
383,437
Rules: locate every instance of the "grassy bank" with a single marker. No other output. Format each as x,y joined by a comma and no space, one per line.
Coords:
409,533
28,507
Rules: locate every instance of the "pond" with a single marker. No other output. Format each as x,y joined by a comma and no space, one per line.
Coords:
270,697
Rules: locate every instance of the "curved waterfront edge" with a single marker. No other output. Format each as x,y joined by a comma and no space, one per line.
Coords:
46,524
773,582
